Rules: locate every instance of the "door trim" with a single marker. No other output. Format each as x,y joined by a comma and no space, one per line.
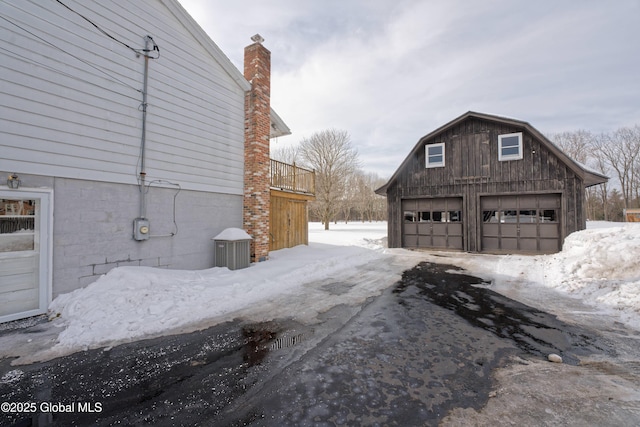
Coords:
45,264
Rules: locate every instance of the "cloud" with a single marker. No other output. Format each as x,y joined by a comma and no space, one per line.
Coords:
390,72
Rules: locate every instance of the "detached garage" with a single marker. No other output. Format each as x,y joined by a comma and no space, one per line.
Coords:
483,183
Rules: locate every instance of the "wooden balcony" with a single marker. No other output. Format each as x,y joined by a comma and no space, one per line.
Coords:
293,179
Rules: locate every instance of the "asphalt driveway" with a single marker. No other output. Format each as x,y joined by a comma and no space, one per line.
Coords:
429,350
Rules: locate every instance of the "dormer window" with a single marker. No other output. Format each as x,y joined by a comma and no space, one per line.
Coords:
510,146
434,154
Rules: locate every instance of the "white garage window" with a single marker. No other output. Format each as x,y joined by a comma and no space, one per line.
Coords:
434,154
510,146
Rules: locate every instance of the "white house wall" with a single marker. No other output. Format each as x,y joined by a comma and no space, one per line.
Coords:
70,100
93,229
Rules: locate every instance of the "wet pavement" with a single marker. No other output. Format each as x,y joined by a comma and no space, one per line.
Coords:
408,357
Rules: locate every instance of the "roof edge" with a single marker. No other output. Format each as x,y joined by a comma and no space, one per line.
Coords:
203,38
590,177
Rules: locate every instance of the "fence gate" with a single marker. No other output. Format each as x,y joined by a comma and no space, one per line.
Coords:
289,221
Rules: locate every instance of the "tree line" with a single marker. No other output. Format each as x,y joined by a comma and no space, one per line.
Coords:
614,154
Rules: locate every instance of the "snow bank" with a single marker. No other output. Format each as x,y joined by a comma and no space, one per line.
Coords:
602,267
132,302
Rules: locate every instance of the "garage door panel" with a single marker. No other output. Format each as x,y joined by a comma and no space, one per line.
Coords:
424,205
439,229
549,245
425,241
508,203
455,229
509,230
527,200
438,204
426,223
490,229
549,231
529,245
454,204
455,241
411,228
410,204
549,201
424,228
509,243
526,223
528,230
489,203
411,241
490,243
439,241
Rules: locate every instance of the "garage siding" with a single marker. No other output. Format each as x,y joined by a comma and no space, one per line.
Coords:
478,181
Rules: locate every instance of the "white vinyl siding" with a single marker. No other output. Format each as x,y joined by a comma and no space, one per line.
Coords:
80,116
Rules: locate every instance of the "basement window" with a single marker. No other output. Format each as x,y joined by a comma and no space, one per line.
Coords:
510,146
434,153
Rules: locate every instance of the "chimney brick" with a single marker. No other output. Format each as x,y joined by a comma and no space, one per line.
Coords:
257,194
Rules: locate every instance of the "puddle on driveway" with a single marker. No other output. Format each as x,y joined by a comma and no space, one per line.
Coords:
533,331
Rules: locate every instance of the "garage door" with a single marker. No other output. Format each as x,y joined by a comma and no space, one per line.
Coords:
433,223
527,223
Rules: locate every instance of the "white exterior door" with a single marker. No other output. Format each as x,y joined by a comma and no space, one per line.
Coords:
25,253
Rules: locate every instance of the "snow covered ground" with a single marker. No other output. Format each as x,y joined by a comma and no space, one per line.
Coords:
600,265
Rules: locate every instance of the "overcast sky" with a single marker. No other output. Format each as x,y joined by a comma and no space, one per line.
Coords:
391,71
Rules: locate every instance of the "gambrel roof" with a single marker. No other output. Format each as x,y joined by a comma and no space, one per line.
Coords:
589,176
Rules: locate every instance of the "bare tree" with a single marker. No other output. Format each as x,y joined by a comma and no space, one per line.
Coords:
334,159
578,145
368,205
575,144
288,154
621,151
598,206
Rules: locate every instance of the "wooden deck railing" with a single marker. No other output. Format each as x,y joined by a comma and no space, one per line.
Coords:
292,178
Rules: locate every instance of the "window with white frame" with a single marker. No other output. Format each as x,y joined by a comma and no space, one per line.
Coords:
434,153
510,146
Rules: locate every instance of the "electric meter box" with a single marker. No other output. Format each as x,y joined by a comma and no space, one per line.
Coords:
141,229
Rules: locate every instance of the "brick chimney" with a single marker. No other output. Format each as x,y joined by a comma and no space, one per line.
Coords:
257,129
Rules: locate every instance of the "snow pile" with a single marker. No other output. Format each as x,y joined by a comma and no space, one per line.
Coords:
133,302
601,266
